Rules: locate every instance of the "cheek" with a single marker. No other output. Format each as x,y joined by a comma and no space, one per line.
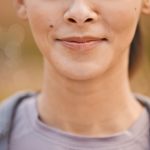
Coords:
121,15
42,23
122,22
43,16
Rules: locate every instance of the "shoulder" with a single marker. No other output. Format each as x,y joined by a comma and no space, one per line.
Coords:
144,100
8,108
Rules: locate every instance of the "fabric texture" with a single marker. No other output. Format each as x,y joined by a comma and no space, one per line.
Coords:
30,133
34,134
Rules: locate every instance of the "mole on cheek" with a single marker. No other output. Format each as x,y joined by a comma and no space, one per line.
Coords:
51,26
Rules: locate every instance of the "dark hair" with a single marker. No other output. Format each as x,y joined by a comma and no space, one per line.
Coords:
136,52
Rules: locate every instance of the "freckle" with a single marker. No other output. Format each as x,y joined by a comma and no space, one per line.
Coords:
51,26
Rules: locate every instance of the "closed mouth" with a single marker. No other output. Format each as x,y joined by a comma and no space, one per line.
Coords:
81,39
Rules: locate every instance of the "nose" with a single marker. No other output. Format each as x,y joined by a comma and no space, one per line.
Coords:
80,13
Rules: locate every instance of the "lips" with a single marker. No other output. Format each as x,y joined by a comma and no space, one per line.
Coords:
81,43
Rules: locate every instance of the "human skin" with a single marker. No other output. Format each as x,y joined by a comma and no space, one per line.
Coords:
85,91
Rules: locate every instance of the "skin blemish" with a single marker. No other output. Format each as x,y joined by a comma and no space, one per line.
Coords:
51,26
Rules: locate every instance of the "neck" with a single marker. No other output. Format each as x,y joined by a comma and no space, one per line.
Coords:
100,106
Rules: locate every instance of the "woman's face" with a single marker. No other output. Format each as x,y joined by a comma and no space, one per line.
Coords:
82,39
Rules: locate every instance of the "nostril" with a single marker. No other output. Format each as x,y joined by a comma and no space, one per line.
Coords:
71,20
89,20
104,39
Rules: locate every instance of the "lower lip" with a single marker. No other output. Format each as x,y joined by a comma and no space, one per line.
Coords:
81,46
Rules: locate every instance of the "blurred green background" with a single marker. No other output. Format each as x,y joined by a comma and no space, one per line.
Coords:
21,62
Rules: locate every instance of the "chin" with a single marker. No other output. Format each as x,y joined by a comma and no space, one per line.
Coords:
80,67
81,73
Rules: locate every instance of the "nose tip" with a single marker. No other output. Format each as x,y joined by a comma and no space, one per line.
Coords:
79,14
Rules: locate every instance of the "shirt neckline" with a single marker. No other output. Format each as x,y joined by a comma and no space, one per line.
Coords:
66,138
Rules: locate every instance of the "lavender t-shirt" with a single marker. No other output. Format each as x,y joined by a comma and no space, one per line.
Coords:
29,133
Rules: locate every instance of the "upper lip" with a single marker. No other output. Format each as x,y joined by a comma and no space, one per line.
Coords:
81,39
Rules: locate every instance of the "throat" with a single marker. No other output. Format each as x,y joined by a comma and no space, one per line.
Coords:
90,119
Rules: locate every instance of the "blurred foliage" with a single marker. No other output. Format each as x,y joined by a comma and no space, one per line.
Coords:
21,62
